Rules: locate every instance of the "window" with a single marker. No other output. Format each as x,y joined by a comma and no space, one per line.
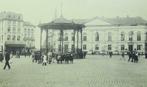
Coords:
72,47
122,47
59,47
131,35
109,36
139,47
84,38
138,36
8,37
96,47
109,47
84,47
122,36
66,48
66,38
14,37
9,30
73,38
18,38
97,36
14,30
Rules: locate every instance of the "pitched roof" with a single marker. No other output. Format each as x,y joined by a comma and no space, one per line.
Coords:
97,21
61,20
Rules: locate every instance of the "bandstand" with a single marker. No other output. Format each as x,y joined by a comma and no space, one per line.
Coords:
62,25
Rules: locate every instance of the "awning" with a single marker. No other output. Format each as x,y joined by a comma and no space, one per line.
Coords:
15,44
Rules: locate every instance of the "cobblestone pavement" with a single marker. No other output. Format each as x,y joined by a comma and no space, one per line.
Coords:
94,71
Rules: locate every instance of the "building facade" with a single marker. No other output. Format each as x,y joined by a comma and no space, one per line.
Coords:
12,32
29,36
100,37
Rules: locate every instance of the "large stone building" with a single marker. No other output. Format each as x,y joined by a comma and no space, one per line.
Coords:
101,36
13,32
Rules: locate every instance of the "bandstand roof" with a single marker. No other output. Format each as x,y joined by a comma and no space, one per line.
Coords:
61,23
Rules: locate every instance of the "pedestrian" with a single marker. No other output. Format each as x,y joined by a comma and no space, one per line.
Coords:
136,57
84,54
44,60
146,55
123,55
130,55
7,58
110,54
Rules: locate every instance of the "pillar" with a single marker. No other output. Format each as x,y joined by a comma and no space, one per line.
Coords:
41,39
74,42
61,40
46,41
81,40
77,40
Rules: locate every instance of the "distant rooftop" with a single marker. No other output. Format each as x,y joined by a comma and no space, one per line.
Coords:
10,16
131,21
28,24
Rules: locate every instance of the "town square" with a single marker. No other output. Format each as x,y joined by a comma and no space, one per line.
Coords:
73,43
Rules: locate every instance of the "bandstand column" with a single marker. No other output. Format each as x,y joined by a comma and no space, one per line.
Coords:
62,39
41,39
74,41
77,40
46,41
81,40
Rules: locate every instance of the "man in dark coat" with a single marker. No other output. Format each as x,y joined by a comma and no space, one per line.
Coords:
7,58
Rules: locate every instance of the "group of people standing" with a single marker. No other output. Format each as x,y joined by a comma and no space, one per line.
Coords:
51,57
133,56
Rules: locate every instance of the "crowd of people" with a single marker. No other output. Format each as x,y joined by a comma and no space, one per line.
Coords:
132,55
52,57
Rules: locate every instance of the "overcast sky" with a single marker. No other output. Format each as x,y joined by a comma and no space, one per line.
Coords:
37,11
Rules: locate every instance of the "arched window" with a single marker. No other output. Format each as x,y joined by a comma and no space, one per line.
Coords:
122,36
138,36
14,37
131,35
96,36
8,37
18,38
109,36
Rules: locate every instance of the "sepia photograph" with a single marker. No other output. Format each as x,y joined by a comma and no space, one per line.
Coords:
73,43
